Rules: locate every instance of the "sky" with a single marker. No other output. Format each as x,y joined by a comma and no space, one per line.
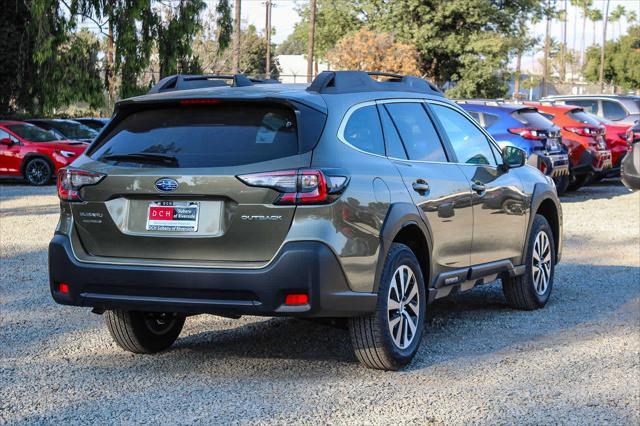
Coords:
284,18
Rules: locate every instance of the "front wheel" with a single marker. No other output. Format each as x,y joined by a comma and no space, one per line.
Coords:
144,332
38,172
389,338
532,289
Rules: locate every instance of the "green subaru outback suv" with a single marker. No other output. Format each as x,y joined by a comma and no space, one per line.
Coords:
362,196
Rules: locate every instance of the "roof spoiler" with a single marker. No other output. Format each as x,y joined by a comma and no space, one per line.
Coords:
336,82
191,81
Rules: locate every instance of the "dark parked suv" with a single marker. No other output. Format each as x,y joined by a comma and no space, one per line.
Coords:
350,198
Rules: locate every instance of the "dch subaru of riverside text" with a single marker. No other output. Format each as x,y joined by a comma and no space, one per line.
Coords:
362,196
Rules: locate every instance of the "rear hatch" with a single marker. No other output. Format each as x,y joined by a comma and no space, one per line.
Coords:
540,128
171,191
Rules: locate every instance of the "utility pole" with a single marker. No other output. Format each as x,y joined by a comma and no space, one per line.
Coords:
563,50
236,39
604,41
267,27
545,71
312,33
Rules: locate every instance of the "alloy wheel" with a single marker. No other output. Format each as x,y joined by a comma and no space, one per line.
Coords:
403,306
541,267
37,172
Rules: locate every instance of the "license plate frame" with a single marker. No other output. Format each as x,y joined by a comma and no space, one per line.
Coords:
173,216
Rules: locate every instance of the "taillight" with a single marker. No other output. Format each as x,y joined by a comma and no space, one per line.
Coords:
584,131
71,180
528,133
302,186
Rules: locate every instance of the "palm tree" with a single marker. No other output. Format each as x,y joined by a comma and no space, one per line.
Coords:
631,16
594,16
604,41
616,16
584,6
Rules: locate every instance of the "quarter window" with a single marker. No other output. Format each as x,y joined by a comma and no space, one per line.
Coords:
613,110
419,136
469,143
363,130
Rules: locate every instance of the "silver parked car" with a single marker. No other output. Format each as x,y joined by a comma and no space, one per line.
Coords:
617,108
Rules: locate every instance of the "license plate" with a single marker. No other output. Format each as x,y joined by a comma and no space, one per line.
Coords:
553,145
173,216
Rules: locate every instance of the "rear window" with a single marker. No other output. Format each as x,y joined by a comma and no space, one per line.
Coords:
74,130
532,118
583,117
203,136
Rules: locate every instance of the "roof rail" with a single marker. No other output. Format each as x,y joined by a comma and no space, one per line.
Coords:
336,82
187,81
489,102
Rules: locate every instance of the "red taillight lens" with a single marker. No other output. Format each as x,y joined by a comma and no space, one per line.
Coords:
584,131
71,180
63,288
528,133
296,299
303,186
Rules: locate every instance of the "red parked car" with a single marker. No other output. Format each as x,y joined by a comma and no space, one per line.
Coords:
33,153
616,140
584,138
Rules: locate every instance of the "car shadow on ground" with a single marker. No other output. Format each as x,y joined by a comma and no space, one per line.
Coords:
606,189
479,320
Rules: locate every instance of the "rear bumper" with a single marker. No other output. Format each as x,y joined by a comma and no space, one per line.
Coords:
554,165
593,162
300,267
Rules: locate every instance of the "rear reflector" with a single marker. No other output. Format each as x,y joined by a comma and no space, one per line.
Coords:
63,288
296,299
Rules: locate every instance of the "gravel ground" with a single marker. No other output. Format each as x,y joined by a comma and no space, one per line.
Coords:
576,361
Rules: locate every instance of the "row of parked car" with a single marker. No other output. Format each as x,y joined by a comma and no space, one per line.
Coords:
37,149
574,139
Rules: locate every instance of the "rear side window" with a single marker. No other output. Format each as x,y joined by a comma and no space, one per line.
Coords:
489,120
363,130
391,137
588,105
532,118
418,133
613,110
203,136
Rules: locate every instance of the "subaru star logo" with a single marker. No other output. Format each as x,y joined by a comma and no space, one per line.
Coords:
166,185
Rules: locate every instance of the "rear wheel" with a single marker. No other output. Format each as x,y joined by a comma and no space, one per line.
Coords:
532,289
562,183
578,182
389,338
144,332
38,172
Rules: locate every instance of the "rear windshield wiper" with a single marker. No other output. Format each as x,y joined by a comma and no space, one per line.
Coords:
167,160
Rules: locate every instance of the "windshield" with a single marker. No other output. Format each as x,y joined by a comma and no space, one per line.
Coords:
32,133
583,117
201,136
73,130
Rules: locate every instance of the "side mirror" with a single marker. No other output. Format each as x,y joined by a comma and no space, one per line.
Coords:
6,141
513,157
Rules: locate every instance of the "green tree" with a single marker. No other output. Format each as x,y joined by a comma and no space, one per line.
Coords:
16,63
224,22
585,7
252,61
622,61
616,15
594,16
175,36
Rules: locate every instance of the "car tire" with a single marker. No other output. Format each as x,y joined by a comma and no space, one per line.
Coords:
562,183
578,182
38,172
143,332
389,338
532,289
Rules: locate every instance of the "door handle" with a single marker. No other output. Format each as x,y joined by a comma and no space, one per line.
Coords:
478,187
420,186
